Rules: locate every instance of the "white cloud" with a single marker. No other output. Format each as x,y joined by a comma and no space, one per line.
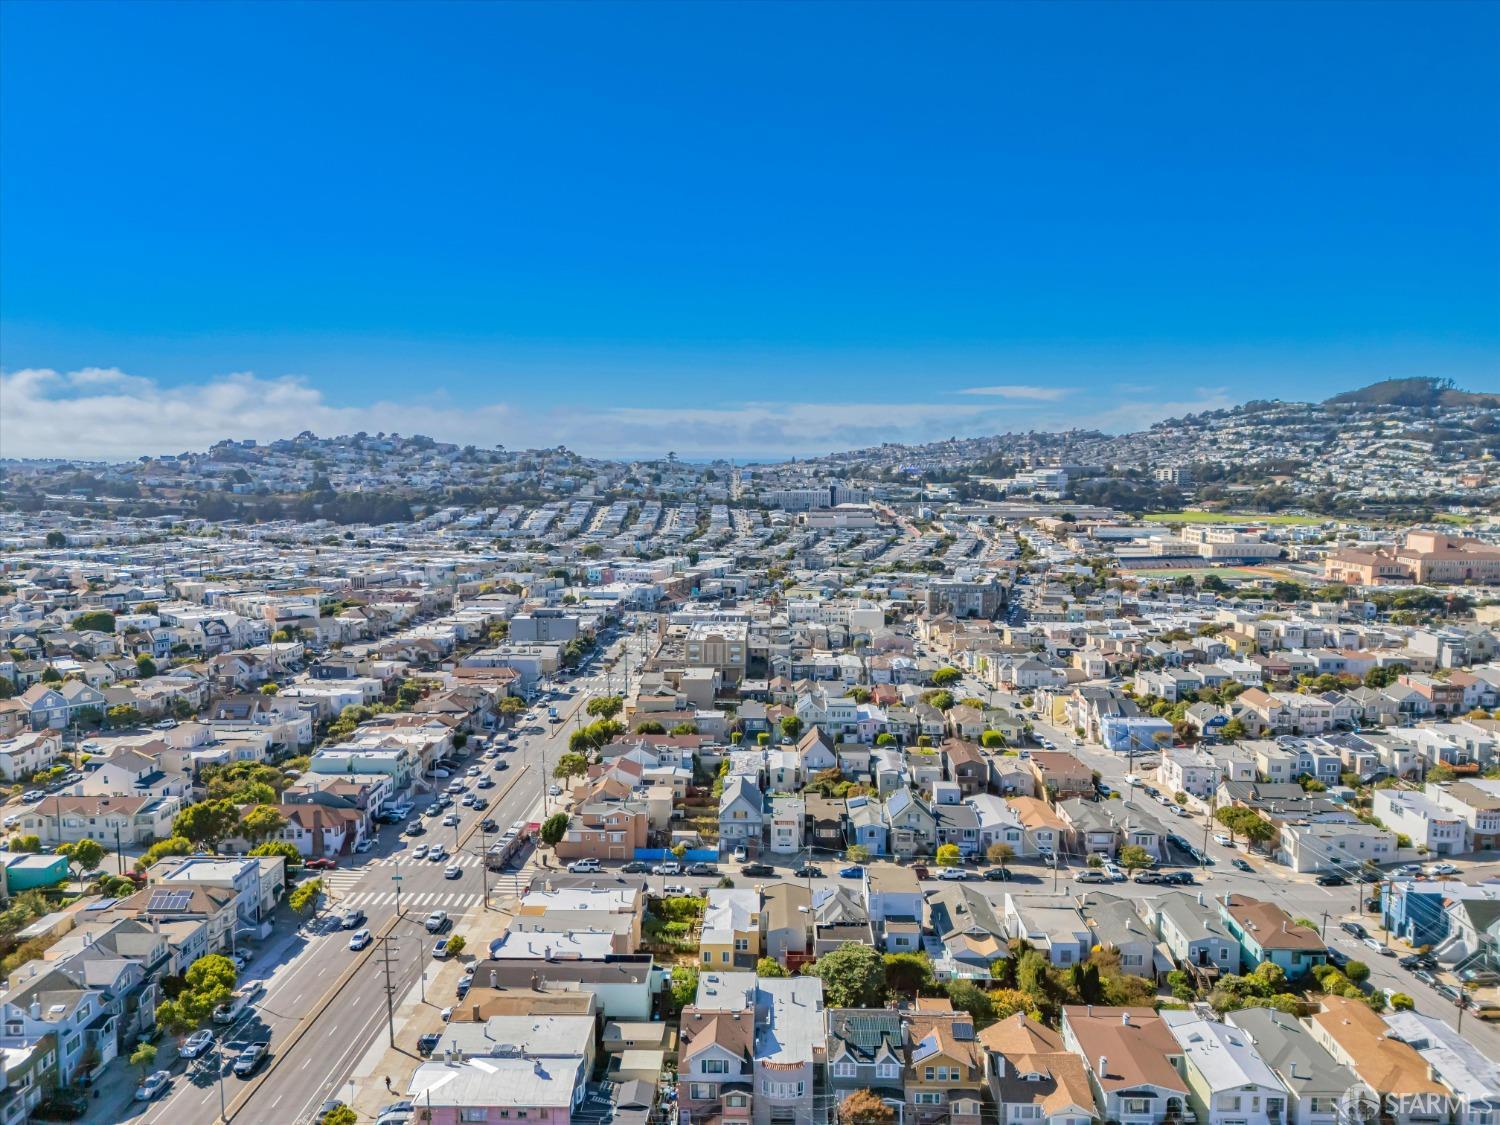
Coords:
1023,391
100,414
104,413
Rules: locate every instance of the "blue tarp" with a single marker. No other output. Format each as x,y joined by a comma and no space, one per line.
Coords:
692,855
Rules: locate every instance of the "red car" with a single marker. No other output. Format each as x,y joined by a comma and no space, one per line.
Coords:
321,864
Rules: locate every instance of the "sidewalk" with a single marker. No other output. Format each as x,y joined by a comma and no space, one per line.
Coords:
112,1098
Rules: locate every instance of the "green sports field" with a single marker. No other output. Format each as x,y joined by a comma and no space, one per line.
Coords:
1231,517
1200,573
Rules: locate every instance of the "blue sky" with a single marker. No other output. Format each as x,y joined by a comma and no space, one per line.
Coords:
754,229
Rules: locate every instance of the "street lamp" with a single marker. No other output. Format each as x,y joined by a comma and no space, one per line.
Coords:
397,880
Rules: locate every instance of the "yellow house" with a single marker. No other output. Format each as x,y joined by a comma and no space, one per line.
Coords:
731,929
946,1074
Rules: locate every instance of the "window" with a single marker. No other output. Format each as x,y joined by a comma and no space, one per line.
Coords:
735,1101
480,1114
1137,1106
707,957
889,1070
741,944
845,1069
928,1098
715,1066
700,1091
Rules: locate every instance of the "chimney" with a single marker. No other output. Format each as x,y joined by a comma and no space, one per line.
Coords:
474,1010
1125,1019
1103,1066
495,977
1200,899
1090,1008
36,1009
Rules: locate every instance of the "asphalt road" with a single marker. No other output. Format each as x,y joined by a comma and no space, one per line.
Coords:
298,969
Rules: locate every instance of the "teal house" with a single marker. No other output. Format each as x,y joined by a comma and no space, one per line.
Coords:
24,872
1265,932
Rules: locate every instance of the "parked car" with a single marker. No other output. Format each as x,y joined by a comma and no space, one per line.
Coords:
1425,977
758,870
809,871
1331,880
363,846
670,867
1223,840
1240,865
1418,961
440,950
1151,877
741,855
853,871
1114,872
953,874
586,866
997,874
702,869
153,1086
1179,878
636,867
921,871
1354,929
1440,869
196,1043
1093,877
322,863
1336,958
437,922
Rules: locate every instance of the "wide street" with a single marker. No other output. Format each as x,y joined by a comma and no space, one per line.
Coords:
325,1004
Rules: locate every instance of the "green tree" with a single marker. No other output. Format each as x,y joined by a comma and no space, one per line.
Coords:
305,895
651,726
287,851
605,706
769,967
95,621
207,822
885,738
122,716
942,700
992,740
1032,978
261,823
1232,731
908,973
173,845
51,675
685,728
966,996
1357,971
946,676
1257,830
456,944
56,539
1134,857
553,829
947,855
853,976
145,667
570,765
143,1057
30,844
684,985
791,727
85,855
856,853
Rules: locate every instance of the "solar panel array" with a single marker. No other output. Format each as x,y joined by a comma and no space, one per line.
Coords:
170,900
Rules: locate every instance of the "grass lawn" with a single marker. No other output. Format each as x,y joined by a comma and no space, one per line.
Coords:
1225,572
1196,516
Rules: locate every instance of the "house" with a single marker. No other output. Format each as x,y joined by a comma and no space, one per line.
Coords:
958,825
111,821
1132,1061
715,1078
1359,1039
1194,933
731,933
1473,1078
911,823
1228,1082
1266,932
1053,926
1334,847
866,825
24,871
22,755
1477,804
972,934
790,1050
786,922
945,1068
741,814
1060,775
785,825
1425,821
543,1091
1313,1080
895,906
824,828
606,828
965,765
1090,830
1116,925
50,1003
866,1051
1032,1077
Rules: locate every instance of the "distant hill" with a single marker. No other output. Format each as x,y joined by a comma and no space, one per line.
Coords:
1413,392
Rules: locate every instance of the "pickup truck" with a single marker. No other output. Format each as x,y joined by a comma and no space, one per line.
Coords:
235,1006
248,1060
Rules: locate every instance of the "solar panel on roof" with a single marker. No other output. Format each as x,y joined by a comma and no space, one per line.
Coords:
170,900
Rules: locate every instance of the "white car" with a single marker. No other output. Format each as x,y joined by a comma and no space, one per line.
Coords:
437,921
196,1043
453,871
1440,869
153,1087
554,791
584,867
956,874
1222,840
364,846
1114,872
359,939
451,820
419,852
1175,810
472,771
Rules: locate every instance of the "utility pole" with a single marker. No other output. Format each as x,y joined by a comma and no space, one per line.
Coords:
390,1007
119,854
